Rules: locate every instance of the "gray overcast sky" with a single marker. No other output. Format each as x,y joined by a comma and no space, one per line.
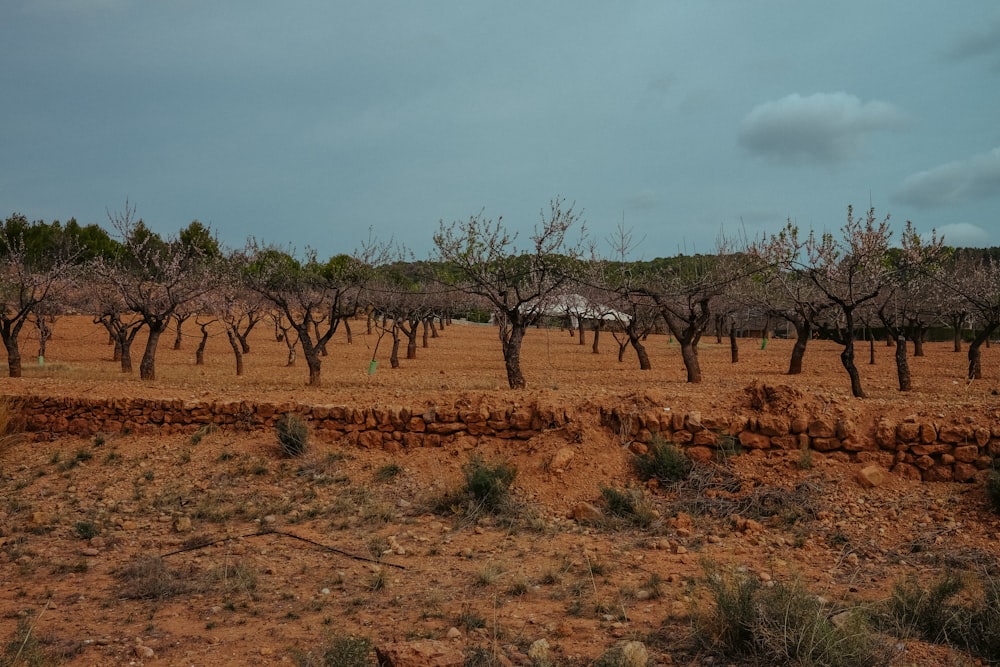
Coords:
307,123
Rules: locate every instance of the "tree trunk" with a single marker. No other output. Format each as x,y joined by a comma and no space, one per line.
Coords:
411,341
44,333
918,342
803,333
199,354
125,339
13,350
147,367
347,330
180,336
734,348
847,359
902,366
597,337
512,356
235,343
871,348
689,354
394,355
975,351
640,351
622,346
434,329
956,325
425,342
582,330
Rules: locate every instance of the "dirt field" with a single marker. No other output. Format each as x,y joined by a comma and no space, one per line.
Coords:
271,570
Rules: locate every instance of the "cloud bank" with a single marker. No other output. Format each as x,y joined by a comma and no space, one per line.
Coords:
824,128
977,177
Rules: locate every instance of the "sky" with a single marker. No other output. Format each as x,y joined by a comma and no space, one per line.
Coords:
326,124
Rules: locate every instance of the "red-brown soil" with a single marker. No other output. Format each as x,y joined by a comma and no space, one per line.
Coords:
259,598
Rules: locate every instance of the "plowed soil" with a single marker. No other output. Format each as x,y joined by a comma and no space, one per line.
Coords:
213,549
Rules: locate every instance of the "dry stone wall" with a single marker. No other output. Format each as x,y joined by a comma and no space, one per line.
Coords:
915,448
388,428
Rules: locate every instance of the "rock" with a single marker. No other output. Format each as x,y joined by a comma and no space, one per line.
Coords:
454,633
584,512
561,459
539,652
634,654
182,524
871,476
754,440
143,652
821,428
423,653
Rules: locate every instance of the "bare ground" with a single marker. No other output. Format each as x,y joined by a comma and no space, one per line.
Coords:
351,541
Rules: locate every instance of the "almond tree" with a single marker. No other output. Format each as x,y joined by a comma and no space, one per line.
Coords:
974,276
29,281
483,258
903,307
153,278
313,297
781,291
849,271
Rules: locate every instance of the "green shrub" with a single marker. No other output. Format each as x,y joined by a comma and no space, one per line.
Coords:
629,504
488,486
337,651
993,489
664,462
293,435
971,624
783,624
86,530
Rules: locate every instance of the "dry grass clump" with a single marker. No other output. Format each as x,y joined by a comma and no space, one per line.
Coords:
149,578
959,610
783,623
11,423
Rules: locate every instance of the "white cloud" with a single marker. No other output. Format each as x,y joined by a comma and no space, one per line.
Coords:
964,235
955,182
823,127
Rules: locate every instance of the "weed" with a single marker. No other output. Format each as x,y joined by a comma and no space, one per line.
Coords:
293,435
488,486
387,472
378,581
971,624
149,578
805,459
99,439
200,434
238,577
470,620
993,488
86,530
630,504
664,462
377,546
782,624
24,647
488,575
337,651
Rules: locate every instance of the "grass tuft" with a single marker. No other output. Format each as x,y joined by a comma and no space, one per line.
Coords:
664,462
293,435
